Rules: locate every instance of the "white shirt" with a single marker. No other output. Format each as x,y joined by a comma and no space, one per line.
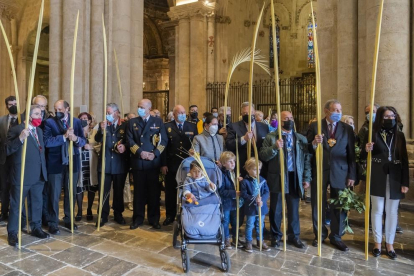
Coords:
10,117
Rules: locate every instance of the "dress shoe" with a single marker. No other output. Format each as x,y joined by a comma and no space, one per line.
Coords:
275,243
135,225
54,230
156,225
376,252
399,230
315,242
340,245
103,222
68,225
120,220
78,217
39,233
168,221
12,239
297,243
392,255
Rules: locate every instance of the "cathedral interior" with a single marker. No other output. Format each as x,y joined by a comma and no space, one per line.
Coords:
179,52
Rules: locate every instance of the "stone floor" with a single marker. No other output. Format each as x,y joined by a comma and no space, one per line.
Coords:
117,250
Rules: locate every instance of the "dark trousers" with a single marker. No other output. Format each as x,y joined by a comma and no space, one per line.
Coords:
146,192
275,212
337,217
170,194
56,181
5,187
36,190
118,181
46,203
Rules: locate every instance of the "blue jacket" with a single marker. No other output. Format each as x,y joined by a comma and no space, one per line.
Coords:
53,139
227,192
246,192
199,188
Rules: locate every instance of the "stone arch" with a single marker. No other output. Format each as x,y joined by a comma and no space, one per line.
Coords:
281,10
153,46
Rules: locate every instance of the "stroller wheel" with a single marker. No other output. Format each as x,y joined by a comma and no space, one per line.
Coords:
175,234
185,257
225,261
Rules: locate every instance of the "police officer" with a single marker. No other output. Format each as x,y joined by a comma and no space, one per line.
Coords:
180,135
147,139
116,162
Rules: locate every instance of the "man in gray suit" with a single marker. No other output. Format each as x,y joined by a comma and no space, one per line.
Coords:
35,174
6,122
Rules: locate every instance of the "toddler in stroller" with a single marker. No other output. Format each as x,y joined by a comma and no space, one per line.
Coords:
196,186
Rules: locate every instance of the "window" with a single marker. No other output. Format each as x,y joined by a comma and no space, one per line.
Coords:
271,54
311,53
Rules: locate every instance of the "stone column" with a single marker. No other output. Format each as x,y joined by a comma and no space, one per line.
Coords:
55,52
137,54
362,88
6,80
183,72
393,75
97,62
347,60
210,48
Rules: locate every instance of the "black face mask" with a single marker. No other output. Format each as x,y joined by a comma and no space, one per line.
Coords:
228,119
194,115
288,125
246,118
389,123
60,115
13,109
84,123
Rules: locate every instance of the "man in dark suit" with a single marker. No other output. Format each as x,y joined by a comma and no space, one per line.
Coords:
180,136
339,168
35,174
116,165
147,139
297,177
57,134
239,129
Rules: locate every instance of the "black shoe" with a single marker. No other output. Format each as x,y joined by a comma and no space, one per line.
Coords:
103,221
45,223
376,252
399,230
39,233
315,242
156,225
78,217
168,221
297,243
275,243
12,239
340,245
308,200
54,230
391,254
135,225
120,220
68,225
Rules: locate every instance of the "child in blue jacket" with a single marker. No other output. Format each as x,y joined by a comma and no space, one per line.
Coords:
228,194
255,196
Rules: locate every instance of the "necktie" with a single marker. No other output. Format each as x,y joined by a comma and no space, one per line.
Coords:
145,122
331,130
180,127
33,131
290,152
65,126
12,122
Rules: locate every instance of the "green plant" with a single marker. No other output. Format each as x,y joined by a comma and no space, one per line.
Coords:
346,201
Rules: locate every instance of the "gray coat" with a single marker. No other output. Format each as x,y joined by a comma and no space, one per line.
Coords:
209,146
269,153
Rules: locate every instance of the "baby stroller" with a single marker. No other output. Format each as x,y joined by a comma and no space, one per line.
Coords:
199,224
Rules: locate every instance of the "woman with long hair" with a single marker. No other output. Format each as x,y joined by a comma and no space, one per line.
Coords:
390,179
209,143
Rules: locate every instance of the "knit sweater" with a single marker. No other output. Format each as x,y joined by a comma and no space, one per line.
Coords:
209,146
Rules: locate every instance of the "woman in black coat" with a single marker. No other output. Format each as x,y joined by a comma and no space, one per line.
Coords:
390,179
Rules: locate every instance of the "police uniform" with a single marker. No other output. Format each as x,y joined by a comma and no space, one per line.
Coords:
179,142
116,168
147,136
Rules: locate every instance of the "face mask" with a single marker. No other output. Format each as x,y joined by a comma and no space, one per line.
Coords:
353,127
194,115
246,118
335,117
60,115
215,114
373,117
181,118
274,123
288,125
228,119
43,113
84,123
109,118
204,119
213,130
141,112
389,123
36,122
13,109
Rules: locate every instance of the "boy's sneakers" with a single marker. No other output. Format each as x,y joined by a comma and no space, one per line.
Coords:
239,244
248,247
228,244
265,247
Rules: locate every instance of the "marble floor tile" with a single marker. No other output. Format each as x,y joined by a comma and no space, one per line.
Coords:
78,256
49,247
69,270
110,266
37,265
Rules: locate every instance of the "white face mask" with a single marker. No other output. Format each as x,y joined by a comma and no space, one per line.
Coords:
213,130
